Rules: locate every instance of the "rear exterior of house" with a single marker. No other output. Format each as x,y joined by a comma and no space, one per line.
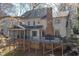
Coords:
40,33
34,26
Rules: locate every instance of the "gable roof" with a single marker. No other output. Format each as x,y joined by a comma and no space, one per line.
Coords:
42,13
36,13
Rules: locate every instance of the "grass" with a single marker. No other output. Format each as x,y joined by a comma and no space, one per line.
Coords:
9,54
16,53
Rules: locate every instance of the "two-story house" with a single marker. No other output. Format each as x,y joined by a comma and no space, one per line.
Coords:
34,24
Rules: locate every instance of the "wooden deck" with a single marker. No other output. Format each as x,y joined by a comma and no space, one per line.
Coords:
38,47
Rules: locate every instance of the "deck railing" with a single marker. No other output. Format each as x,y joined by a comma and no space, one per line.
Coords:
43,39
46,40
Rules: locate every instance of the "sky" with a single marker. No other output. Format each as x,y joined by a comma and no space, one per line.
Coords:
19,8
25,7
14,9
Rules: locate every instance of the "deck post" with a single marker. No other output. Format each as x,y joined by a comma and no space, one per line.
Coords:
8,40
35,50
43,48
52,49
15,39
62,49
29,41
11,39
29,46
24,42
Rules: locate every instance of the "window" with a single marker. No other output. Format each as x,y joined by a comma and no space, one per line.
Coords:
28,22
38,22
34,33
57,33
20,23
22,35
33,22
43,33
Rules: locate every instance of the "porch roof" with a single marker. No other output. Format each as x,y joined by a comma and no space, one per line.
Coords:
32,27
28,27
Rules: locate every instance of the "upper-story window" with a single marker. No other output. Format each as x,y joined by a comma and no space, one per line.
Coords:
28,22
57,33
38,22
33,22
20,23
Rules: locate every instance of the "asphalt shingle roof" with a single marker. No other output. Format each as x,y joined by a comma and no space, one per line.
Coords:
42,13
37,13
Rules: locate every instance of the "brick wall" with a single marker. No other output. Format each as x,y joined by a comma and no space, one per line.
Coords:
49,29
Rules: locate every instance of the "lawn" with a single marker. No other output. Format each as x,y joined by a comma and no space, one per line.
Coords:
16,53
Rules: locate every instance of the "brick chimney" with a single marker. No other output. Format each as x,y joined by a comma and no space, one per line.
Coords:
49,29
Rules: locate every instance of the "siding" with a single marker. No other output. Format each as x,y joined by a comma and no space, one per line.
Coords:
60,26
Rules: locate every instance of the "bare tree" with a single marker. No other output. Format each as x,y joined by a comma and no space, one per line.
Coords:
8,8
2,13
